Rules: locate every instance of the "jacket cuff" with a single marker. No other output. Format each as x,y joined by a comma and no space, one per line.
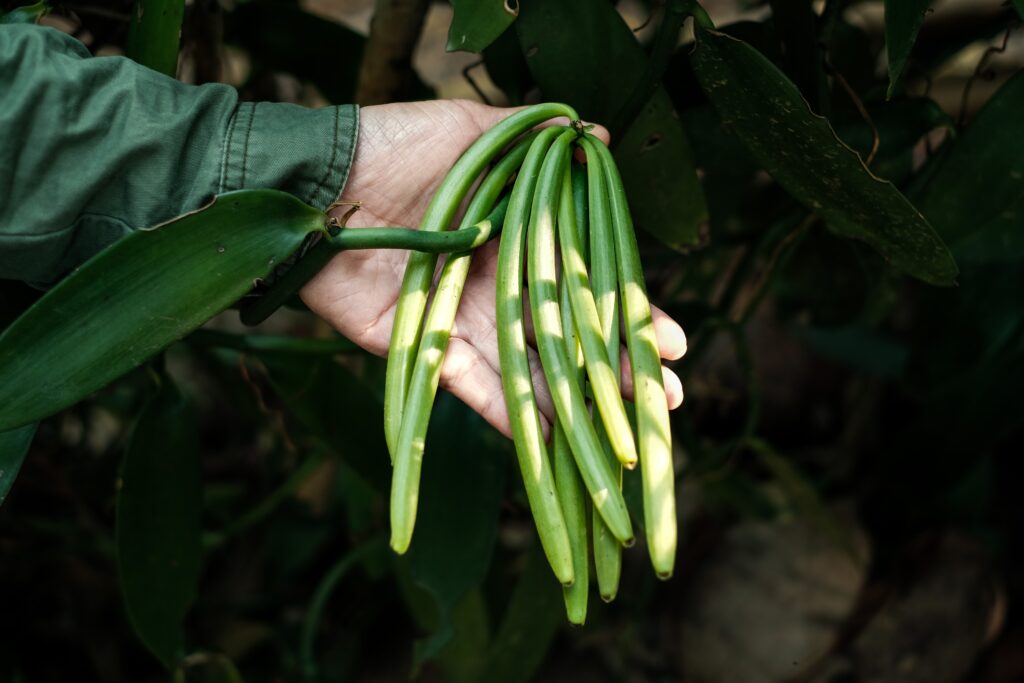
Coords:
305,152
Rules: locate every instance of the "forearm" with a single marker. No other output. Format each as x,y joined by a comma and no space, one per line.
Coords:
96,146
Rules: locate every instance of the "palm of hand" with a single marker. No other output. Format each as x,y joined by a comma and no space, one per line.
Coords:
404,151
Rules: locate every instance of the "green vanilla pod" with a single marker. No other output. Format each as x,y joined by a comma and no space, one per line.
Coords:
412,299
571,490
653,429
408,455
604,282
558,369
603,380
516,379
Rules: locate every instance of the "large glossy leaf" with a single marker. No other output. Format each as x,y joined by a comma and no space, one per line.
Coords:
583,53
457,523
528,626
154,34
144,292
801,151
27,14
477,23
13,449
903,19
159,517
975,197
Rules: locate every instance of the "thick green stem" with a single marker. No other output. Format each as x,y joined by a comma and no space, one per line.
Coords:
305,269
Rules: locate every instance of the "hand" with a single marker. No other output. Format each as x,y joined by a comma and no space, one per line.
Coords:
403,152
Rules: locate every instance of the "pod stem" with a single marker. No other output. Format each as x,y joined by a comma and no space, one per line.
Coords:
257,309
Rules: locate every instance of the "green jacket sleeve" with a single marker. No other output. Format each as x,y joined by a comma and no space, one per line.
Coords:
93,147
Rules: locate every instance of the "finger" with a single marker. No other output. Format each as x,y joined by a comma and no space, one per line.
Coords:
671,338
673,385
475,323
673,388
467,374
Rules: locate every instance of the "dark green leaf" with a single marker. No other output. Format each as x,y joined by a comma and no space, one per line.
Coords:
281,36
528,627
903,19
735,494
860,347
900,124
15,299
477,23
144,292
28,14
1019,4
209,667
829,281
660,176
801,151
159,516
457,523
795,25
941,41
337,408
466,655
728,172
318,603
13,449
975,197
507,67
660,54
154,34
583,53
267,344
804,497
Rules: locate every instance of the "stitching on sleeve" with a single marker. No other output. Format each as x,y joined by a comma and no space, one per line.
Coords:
334,155
351,151
227,149
245,146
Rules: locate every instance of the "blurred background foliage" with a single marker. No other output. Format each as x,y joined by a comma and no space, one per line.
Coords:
847,463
